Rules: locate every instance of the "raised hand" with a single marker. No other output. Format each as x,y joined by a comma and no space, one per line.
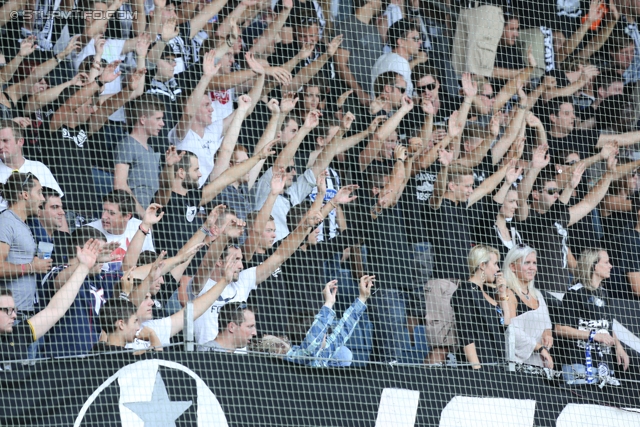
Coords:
407,104
23,122
469,87
313,119
332,47
532,120
229,270
109,73
455,128
136,79
330,291
400,153
576,176
445,157
306,51
106,252
288,102
342,98
312,219
244,103
278,181
347,121
152,215
608,150
274,106
321,184
169,30
344,196
375,123
494,125
88,254
540,158
27,46
74,46
172,157
268,150
366,283
79,79
142,44
513,172
234,228
209,67
255,66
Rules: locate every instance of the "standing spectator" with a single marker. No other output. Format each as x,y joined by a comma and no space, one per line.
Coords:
118,225
480,316
19,263
584,323
405,40
137,165
530,315
50,226
11,159
361,47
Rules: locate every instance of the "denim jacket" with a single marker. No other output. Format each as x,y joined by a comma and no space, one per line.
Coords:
312,344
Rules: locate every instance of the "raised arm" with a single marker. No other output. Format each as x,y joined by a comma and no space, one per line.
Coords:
209,69
62,300
594,196
269,35
289,151
200,20
224,153
307,73
211,190
539,161
489,184
111,105
599,40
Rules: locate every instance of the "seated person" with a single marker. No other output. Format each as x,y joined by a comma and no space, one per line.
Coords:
237,327
480,317
15,340
584,323
530,315
318,349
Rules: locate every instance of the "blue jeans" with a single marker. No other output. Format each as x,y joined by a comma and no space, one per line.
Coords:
390,321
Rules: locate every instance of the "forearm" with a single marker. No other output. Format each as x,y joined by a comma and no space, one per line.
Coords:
166,180
7,72
208,12
224,153
502,193
258,226
572,43
426,130
565,196
208,263
504,73
269,35
562,92
307,73
287,153
225,179
474,158
12,271
598,41
229,81
435,201
623,140
502,146
571,333
109,107
45,97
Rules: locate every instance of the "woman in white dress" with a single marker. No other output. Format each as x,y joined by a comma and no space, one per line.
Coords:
530,321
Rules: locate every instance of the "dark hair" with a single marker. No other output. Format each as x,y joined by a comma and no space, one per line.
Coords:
15,128
423,70
375,176
232,312
16,184
5,292
553,106
125,201
115,309
146,257
357,4
299,324
304,17
84,234
287,120
545,175
185,162
388,78
144,106
297,214
400,30
322,130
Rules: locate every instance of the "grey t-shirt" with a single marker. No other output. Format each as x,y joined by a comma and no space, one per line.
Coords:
364,45
22,249
144,169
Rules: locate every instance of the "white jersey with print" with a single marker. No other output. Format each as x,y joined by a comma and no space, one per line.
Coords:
206,326
204,147
125,238
162,328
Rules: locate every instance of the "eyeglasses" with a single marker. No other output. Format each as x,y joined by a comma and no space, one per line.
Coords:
401,89
552,191
8,310
489,95
241,306
288,169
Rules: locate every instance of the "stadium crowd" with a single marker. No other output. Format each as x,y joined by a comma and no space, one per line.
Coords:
256,156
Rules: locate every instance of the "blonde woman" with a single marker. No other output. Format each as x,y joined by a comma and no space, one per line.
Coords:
584,325
530,321
481,305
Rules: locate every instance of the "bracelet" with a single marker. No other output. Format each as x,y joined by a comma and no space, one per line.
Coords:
333,204
506,298
467,102
99,83
522,107
206,231
143,231
228,40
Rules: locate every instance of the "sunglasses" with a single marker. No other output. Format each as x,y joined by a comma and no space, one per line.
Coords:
8,310
241,306
427,88
401,89
289,169
489,96
552,191
571,162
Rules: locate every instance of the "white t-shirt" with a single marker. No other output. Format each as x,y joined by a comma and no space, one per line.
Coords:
112,52
124,239
392,62
162,328
222,102
206,326
204,148
40,171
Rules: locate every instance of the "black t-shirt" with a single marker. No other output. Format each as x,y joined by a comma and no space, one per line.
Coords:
509,57
548,235
180,222
388,254
486,232
13,346
103,347
582,142
414,203
450,228
69,154
270,298
484,169
584,310
478,322
624,253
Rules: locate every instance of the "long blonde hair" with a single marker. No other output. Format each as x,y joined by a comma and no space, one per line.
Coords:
518,254
479,255
586,266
